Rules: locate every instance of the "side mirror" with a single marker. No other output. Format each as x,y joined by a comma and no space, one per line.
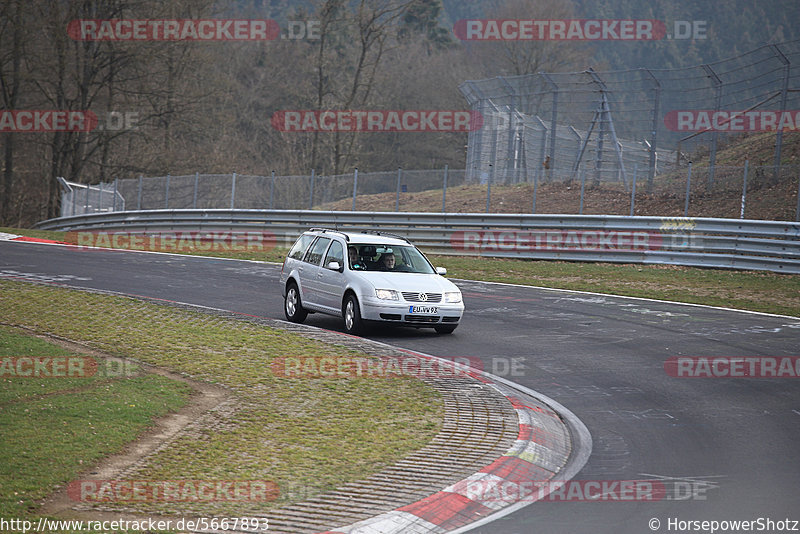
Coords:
334,266
441,271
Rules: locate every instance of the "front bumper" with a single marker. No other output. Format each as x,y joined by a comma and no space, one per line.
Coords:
402,312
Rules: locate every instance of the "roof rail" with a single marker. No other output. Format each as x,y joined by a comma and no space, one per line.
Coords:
387,234
319,229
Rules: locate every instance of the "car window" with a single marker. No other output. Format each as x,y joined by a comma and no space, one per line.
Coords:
407,258
314,254
335,253
300,246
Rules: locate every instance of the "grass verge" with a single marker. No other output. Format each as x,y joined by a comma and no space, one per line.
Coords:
306,435
54,427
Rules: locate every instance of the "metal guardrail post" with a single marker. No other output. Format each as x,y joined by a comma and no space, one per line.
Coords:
233,189
86,207
99,206
535,187
744,188
196,184
397,199
116,192
633,188
444,190
688,189
166,193
355,187
583,185
797,209
272,191
311,196
139,201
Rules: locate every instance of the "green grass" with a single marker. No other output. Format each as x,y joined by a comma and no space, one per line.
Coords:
746,290
52,429
307,435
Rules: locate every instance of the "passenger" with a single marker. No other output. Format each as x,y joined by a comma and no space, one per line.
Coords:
387,261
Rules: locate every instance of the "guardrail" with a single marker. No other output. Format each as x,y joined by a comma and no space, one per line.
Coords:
698,242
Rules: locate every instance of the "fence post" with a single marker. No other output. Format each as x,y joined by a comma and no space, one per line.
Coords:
196,184
535,187
688,187
355,187
633,188
784,91
489,187
73,199
444,190
233,190
397,199
583,184
86,206
712,156
744,188
311,196
797,209
99,206
272,191
139,203
116,190
166,194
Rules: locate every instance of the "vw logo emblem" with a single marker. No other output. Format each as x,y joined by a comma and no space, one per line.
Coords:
423,297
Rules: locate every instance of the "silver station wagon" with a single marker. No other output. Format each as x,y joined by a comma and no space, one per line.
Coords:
367,277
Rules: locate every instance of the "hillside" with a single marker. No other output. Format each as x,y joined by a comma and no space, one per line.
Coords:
767,198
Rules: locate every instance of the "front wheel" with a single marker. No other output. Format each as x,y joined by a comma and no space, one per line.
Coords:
445,329
353,323
293,306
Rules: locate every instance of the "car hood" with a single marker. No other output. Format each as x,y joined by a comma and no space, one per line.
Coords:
429,283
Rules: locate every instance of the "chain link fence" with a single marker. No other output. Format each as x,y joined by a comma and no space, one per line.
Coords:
734,192
556,125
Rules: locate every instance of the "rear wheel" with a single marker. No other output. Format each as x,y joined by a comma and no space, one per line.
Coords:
445,329
353,323
293,306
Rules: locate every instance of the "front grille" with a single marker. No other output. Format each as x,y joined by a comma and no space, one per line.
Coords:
410,296
422,318
450,319
391,316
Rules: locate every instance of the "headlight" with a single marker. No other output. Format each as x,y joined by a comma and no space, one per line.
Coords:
453,297
386,294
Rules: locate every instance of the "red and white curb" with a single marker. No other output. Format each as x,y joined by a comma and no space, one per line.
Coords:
14,237
540,452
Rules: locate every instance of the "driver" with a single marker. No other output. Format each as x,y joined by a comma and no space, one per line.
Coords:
355,263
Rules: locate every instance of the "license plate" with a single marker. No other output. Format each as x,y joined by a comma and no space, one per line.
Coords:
430,310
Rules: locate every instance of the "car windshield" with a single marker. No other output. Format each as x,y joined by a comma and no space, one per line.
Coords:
388,258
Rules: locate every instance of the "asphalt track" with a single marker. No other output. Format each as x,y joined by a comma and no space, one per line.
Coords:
728,447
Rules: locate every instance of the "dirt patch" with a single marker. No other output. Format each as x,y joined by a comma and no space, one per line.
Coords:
206,401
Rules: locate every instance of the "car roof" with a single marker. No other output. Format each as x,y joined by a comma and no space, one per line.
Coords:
359,238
